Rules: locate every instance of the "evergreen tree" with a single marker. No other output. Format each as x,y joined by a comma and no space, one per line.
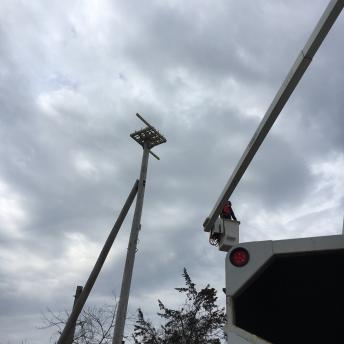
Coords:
198,321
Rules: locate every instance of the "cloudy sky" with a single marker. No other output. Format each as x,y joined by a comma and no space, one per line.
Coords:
72,76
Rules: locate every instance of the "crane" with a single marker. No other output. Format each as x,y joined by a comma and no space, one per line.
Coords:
292,79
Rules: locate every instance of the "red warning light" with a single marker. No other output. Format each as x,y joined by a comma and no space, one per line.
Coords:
239,257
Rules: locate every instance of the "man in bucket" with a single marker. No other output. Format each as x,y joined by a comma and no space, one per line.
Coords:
227,212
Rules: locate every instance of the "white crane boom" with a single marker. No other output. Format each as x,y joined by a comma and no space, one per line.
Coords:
294,76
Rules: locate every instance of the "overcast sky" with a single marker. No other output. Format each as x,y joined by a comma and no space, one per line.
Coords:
73,74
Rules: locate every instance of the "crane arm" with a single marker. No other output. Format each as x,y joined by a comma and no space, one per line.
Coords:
301,64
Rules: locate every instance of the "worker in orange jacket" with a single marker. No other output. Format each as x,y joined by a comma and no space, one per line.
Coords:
227,212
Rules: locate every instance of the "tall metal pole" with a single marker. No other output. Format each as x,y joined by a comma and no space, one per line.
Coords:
96,269
302,62
72,332
129,263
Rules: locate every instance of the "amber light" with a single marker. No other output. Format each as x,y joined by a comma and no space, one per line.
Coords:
239,257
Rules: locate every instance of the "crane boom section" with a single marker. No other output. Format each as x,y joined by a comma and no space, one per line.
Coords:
294,76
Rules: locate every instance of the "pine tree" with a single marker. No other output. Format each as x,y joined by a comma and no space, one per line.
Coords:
198,321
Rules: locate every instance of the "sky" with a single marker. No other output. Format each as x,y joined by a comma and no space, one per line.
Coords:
73,74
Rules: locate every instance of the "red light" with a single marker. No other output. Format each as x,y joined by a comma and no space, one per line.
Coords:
239,257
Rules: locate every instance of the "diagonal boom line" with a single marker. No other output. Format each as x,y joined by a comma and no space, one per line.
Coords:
294,76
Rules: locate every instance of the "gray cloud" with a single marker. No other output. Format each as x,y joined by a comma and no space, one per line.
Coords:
71,79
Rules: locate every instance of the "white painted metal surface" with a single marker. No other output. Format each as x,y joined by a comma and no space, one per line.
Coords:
236,277
228,232
260,253
236,335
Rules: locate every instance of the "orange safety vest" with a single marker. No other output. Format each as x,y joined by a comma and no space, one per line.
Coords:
227,209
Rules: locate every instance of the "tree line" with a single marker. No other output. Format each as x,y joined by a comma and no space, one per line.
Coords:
199,320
